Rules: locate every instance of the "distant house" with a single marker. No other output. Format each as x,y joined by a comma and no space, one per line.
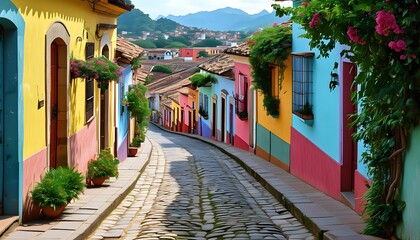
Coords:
244,97
217,100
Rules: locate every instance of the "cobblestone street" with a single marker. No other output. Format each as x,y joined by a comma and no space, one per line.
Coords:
190,190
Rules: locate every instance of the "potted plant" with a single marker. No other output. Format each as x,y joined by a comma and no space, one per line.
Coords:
104,167
138,105
305,114
51,196
134,147
71,180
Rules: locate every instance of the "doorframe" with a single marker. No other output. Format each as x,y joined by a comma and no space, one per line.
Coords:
57,31
13,48
348,146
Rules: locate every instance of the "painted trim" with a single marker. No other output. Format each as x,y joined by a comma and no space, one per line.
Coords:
55,31
13,19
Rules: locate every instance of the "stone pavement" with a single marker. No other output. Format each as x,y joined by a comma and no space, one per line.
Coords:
191,190
324,216
81,217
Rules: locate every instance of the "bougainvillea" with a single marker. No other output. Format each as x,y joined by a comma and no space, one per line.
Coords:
269,47
382,38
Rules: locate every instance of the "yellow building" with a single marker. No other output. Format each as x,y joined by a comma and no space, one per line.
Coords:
60,121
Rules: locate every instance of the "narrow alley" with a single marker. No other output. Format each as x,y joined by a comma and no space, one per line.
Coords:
191,190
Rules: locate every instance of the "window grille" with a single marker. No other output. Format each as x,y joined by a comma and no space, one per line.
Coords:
302,83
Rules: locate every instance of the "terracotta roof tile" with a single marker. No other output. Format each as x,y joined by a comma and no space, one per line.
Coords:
218,65
128,50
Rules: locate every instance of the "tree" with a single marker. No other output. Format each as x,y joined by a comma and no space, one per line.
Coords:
145,43
382,38
212,42
203,54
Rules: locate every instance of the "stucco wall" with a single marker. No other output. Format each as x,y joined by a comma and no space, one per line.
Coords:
409,192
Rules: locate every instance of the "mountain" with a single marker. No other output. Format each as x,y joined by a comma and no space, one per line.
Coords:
262,21
135,21
227,19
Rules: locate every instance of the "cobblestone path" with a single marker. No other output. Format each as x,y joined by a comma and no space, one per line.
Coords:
191,190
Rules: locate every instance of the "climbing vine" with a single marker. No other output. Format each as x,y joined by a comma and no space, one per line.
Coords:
383,40
269,47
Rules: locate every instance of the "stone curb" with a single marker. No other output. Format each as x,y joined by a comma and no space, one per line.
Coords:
90,226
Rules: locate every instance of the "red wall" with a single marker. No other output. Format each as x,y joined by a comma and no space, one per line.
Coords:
314,166
359,190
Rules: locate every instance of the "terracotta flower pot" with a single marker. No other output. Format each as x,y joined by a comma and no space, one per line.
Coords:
99,181
132,151
51,213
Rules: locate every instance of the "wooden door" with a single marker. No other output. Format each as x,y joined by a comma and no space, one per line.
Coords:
53,105
349,145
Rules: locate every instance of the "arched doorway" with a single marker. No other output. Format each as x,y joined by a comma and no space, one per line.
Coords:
103,132
58,104
57,90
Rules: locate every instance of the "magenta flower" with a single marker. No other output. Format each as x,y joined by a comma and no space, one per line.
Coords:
352,32
403,57
398,46
385,22
274,24
314,21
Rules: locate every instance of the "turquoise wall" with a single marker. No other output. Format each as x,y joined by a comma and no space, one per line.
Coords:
325,131
271,143
122,112
410,189
14,28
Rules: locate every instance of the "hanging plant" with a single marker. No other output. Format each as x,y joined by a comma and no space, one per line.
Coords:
101,69
270,47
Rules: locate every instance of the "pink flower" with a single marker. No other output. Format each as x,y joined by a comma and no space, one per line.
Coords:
403,57
352,32
314,21
385,22
413,56
274,24
305,4
398,46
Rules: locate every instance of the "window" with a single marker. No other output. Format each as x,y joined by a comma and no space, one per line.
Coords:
89,98
241,97
203,109
242,93
89,50
302,84
274,82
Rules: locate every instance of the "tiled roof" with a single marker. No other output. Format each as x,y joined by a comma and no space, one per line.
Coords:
218,65
241,50
128,50
174,86
170,80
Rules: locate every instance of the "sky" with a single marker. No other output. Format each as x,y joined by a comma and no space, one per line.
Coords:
182,7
